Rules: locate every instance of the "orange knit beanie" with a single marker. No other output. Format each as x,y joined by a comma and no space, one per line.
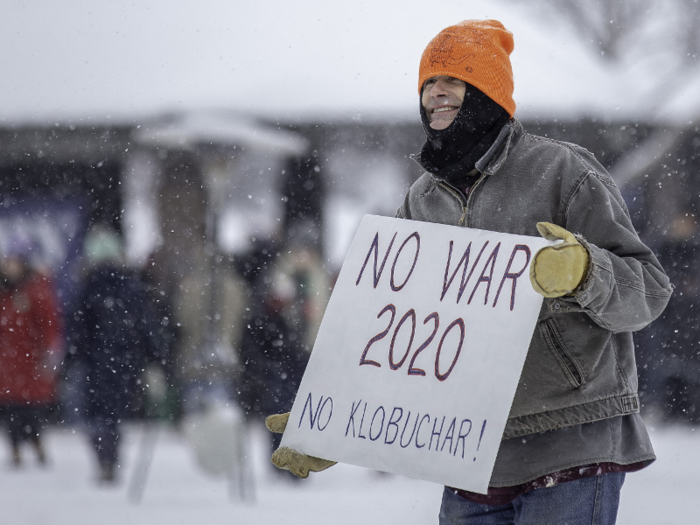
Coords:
475,51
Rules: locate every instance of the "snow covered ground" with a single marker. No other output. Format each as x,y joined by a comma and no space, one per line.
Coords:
177,492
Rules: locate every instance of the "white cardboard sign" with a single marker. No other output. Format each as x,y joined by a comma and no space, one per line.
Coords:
420,351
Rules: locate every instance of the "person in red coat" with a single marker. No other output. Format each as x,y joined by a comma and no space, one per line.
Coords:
30,350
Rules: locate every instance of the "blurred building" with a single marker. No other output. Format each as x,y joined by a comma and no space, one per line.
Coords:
194,182
205,189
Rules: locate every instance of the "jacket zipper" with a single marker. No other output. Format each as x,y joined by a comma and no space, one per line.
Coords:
460,196
471,192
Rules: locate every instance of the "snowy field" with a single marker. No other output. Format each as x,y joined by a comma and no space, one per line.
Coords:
178,492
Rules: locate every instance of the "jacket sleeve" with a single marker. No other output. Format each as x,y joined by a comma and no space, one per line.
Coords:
626,288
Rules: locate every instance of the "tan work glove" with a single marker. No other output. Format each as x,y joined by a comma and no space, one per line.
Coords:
289,459
560,269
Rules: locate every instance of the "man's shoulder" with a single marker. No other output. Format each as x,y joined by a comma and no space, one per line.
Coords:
422,186
558,151
561,147
426,182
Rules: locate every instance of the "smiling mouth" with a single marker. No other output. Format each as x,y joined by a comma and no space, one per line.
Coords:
440,112
444,108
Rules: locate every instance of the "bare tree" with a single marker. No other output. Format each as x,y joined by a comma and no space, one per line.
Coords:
603,24
691,29
664,34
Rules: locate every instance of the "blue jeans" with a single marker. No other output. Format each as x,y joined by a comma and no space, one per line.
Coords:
587,501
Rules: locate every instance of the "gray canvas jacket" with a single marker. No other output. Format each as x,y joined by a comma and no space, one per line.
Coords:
580,365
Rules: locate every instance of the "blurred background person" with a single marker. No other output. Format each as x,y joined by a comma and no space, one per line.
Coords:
31,348
209,307
160,292
114,333
291,291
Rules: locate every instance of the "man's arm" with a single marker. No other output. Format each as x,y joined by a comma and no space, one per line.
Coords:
626,287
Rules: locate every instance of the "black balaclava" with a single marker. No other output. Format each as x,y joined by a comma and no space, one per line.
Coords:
451,153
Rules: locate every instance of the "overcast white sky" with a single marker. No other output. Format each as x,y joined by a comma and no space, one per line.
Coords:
80,58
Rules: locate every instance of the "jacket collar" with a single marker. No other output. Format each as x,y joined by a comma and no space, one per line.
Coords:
496,156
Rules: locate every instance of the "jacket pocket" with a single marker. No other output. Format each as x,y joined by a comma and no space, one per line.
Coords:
571,368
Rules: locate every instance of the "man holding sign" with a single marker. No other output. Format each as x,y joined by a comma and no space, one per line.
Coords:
574,427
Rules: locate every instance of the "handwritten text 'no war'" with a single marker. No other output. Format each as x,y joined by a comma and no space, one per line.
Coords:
441,371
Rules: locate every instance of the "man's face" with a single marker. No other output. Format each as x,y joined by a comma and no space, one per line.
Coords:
442,97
